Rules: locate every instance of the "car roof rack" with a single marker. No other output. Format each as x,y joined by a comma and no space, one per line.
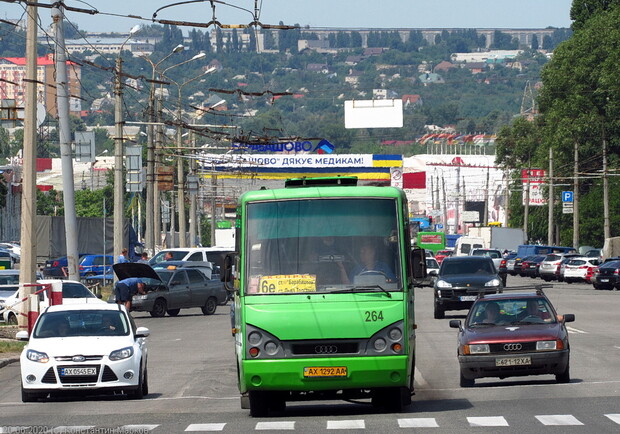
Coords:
538,288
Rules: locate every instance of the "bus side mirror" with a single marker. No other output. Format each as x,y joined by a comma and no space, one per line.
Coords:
418,261
227,272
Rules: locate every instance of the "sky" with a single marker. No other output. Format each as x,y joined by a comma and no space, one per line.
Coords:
323,13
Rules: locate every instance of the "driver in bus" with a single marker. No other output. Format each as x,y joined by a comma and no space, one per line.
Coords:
331,260
369,264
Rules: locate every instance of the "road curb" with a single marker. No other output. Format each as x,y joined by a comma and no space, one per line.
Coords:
4,362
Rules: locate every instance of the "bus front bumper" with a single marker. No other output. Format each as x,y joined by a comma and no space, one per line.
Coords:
302,375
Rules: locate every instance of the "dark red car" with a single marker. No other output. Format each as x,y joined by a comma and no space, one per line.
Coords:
531,267
513,334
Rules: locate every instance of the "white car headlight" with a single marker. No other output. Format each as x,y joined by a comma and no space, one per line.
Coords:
477,349
443,284
121,354
546,345
35,356
493,282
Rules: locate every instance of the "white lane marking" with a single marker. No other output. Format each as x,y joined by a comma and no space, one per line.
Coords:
418,422
346,424
139,428
559,419
574,330
419,379
614,417
206,427
284,425
71,429
487,421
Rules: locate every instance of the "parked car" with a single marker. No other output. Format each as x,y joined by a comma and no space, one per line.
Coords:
461,280
531,266
91,265
442,254
56,268
580,269
559,273
72,293
510,259
513,334
516,269
215,255
171,289
86,347
608,276
549,266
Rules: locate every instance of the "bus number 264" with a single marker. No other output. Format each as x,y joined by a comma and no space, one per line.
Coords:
373,315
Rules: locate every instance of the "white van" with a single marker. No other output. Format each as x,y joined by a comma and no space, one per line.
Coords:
214,255
465,245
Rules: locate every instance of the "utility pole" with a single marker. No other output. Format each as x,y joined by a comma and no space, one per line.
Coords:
445,204
606,228
180,178
29,177
118,162
157,225
213,204
507,200
550,201
485,220
62,98
576,197
193,215
456,202
526,211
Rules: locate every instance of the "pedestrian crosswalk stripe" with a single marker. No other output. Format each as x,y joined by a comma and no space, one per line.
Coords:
418,422
284,425
346,424
487,421
206,427
139,428
614,417
558,419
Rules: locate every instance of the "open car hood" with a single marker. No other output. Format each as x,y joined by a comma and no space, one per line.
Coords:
134,269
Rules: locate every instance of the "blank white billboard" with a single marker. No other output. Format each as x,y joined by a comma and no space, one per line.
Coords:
374,113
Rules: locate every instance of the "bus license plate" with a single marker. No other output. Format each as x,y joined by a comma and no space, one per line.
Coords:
325,371
78,371
514,361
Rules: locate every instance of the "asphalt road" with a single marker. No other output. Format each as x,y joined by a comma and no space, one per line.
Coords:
193,386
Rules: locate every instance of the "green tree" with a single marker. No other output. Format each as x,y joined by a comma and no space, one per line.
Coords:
582,10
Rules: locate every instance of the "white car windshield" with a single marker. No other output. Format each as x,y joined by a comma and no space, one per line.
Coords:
82,323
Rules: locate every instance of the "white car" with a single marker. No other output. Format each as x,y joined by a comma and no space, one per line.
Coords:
580,269
84,347
72,292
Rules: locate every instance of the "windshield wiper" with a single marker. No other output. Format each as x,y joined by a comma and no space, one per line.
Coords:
361,289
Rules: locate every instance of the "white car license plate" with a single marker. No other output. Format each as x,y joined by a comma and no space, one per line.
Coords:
604,280
78,371
468,297
514,361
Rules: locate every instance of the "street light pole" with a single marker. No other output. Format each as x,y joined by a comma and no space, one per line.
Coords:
151,202
180,168
118,152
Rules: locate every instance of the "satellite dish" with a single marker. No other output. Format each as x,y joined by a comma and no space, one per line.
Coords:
41,114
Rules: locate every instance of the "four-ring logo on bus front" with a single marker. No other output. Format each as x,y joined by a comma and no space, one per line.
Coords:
512,347
325,349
